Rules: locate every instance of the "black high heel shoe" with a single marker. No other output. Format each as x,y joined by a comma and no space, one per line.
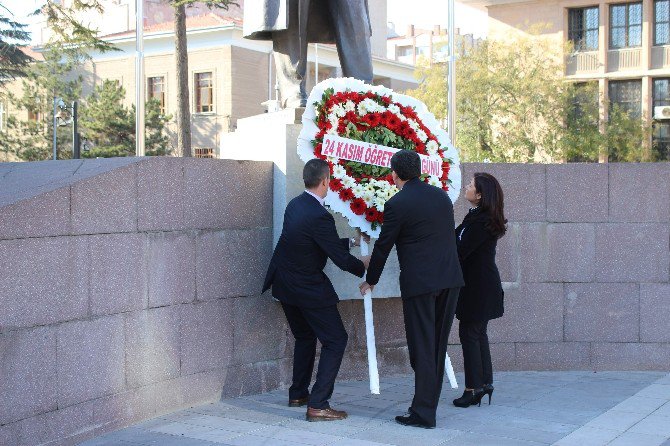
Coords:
488,390
470,398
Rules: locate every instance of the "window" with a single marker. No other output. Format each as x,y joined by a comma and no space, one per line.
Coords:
422,50
662,22
404,51
156,90
34,115
627,95
626,25
207,152
661,128
583,28
204,92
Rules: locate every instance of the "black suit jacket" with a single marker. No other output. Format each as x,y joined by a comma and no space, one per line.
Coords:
482,297
418,221
307,240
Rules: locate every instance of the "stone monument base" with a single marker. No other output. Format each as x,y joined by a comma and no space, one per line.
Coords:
273,137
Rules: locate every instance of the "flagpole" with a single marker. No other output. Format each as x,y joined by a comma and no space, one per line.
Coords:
451,83
139,77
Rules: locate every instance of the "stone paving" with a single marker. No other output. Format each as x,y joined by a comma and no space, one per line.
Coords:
528,408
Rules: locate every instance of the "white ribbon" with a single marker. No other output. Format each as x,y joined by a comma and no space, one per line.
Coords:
370,333
373,370
450,372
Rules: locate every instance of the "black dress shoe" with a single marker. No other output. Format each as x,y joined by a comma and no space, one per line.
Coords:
413,421
470,398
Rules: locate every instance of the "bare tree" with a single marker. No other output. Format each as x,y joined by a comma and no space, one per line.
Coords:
181,60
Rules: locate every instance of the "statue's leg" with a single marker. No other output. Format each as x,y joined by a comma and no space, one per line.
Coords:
352,36
290,54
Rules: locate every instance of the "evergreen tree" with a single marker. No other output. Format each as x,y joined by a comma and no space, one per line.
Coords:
110,127
13,35
53,76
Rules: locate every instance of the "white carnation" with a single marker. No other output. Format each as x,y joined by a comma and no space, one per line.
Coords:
379,203
338,110
367,105
394,109
432,147
348,182
339,171
358,190
349,106
422,135
369,197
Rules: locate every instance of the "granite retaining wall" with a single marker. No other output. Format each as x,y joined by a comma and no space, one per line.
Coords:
130,287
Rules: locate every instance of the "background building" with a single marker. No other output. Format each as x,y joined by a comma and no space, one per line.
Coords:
624,46
229,76
430,44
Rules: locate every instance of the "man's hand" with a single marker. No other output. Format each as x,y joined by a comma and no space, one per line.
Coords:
366,261
364,287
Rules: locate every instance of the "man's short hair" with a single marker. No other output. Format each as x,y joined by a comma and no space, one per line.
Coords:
406,164
315,171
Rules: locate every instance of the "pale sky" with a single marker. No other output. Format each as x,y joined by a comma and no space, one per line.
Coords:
427,13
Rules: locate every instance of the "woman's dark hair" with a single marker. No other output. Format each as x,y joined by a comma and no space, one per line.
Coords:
491,202
314,172
406,164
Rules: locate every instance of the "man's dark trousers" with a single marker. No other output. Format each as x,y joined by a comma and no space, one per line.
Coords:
308,325
428,319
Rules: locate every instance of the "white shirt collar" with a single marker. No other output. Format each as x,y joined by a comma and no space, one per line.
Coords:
319,199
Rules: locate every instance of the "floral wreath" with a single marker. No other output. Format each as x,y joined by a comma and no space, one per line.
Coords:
374,115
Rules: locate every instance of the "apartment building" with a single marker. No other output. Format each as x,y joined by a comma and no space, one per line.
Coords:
430,44
624,46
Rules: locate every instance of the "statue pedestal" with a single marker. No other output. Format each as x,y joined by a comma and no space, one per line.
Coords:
273,137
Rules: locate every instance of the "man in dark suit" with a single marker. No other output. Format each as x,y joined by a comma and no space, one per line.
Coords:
418,220
306,294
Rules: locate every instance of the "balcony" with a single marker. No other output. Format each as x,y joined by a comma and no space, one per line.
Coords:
624,59
583,62
660,57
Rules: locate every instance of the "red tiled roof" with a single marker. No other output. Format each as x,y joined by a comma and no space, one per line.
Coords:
209,20
29,51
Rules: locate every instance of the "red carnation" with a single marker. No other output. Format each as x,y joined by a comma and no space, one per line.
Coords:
373,119
336,185
391,120
371,215
351,116
347,194
358,206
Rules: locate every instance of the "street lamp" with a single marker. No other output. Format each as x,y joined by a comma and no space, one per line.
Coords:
65,115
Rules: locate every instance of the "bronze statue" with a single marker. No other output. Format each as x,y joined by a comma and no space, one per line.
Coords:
292,24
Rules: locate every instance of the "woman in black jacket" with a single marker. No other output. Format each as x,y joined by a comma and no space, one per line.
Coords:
482,297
